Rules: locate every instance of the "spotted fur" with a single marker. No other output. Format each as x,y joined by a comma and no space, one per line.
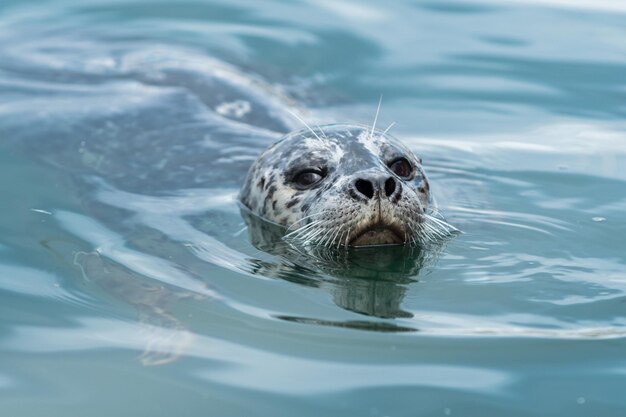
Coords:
333,211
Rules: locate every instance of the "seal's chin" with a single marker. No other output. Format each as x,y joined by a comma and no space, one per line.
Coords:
377,235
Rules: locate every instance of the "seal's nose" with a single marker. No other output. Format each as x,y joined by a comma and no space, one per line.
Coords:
367,186
364,188
390,186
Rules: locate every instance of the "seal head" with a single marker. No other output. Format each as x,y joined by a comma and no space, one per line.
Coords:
340,185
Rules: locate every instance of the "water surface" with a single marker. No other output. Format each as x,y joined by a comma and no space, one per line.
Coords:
129,283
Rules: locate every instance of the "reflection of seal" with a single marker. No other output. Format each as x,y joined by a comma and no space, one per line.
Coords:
342,185
370,280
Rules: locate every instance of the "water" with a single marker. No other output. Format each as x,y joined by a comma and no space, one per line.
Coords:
128,281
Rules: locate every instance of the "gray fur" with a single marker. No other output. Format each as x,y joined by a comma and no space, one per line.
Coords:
332,210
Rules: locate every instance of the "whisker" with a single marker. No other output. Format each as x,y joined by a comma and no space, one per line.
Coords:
300,233
305,124
389,127
321,131
295,228
322,232
340,239
339,230
435,232
405,235
320,239
380,100
306,226
326,238
415,236
294,224
442,223
316,233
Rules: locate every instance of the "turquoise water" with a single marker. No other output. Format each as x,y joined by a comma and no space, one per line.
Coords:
128,281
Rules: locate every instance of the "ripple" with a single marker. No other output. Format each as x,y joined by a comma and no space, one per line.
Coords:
601,5
165,215
502,326
32,282
249,363
522,220
521,130
111,245
352,377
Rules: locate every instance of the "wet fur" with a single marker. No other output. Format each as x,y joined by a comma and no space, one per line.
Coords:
330,214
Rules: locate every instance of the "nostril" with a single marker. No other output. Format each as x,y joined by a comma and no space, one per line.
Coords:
390,187
365,187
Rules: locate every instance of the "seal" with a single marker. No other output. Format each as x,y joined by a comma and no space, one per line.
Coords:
342,185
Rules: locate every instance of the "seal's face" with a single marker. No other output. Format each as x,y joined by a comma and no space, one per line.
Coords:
341,185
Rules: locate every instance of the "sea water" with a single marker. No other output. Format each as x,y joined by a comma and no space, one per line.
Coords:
126,290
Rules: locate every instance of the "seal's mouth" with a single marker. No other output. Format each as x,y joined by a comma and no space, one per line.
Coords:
378,234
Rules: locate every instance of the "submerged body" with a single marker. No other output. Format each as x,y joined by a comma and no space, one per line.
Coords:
341,185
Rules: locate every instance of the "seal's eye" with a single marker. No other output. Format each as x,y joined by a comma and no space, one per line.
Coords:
306,179
402,168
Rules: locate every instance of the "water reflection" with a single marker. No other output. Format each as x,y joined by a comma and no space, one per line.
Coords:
369,281
164,337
